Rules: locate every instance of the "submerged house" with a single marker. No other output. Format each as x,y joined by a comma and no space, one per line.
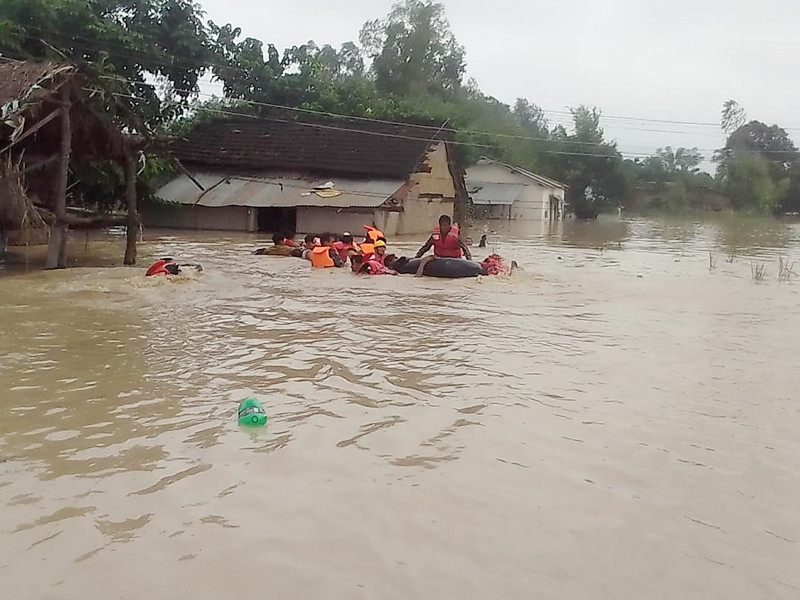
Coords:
52,122
304,175
501,191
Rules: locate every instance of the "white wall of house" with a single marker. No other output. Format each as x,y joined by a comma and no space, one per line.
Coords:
533,203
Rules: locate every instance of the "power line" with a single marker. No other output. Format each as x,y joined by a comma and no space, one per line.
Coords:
205,65
367,119
376,133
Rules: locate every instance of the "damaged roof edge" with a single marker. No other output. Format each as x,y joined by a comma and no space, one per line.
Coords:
253,191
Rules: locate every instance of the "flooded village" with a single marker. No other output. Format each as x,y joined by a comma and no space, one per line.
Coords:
603,407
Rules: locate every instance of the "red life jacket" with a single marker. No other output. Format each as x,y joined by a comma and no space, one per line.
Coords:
159,268
494,265
343,250
375,257
376,267
449,246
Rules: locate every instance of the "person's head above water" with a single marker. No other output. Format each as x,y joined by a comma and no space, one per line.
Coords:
444,224
347,237
326,239
380,247
277,239
309,239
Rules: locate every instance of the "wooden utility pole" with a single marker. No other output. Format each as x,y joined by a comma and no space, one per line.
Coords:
57,251
133,213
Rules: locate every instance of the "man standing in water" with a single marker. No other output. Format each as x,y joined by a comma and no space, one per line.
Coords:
446,243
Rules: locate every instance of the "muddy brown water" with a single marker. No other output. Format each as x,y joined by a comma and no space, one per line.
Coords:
618,420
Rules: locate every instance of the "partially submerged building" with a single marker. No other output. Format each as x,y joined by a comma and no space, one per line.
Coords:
51,122
303,174
501,191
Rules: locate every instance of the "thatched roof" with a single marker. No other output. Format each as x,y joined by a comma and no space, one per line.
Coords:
30,81
29,91
31,109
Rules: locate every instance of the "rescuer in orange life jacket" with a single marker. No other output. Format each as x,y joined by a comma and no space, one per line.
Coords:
372,235
446,243
325,255
378,252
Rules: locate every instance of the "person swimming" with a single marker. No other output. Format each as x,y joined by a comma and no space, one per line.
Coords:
167,266
278,248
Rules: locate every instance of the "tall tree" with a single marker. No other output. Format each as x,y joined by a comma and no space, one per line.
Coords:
245,72
757,166
141,41
587,163
733,116
413,50
530,117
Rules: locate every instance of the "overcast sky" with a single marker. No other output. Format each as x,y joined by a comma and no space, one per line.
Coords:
675,60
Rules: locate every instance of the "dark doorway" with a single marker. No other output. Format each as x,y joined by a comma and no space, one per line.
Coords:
277,220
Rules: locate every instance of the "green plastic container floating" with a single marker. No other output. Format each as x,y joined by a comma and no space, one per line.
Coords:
251,413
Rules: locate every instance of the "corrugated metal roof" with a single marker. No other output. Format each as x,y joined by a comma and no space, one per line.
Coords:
546,181
540,179
494,193
224,190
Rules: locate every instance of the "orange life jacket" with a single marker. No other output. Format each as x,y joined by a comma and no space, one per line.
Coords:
448,246
374,234
321,257
367,248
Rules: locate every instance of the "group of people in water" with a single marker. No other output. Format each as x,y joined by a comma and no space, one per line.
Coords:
370,256
451,255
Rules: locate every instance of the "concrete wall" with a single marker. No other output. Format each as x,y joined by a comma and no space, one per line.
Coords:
180,216
439,181
492,211
421,215
533,203
426,197
320,220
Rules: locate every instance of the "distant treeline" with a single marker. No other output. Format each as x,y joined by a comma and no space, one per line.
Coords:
148,56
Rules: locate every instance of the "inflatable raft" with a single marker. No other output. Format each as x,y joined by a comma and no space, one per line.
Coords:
448,268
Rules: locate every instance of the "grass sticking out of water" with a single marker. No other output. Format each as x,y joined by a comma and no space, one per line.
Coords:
759,271
785,269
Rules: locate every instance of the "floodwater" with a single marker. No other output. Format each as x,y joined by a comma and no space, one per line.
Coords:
618,420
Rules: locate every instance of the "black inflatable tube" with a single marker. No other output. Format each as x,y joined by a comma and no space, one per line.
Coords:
448,268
